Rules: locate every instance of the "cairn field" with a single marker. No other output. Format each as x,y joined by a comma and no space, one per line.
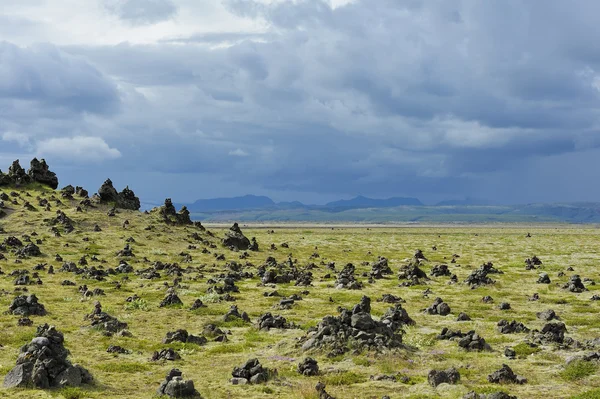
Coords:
353,374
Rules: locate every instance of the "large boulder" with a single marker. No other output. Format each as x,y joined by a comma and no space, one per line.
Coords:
39,172
43,364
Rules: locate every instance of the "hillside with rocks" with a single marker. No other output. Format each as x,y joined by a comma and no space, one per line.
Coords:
102,300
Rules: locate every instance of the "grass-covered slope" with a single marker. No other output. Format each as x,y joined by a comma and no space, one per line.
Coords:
347,376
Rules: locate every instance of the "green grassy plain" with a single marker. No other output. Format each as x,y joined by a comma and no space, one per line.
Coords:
348,376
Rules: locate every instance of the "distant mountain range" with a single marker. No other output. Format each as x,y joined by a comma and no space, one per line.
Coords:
248,202
397,209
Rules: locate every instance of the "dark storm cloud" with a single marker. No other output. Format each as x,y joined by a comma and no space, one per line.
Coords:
431,99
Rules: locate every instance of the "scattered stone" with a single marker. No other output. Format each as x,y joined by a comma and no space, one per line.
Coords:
470,341
183,336
437,377
165,354
175,386
505,327
506,376
438,307
574,284
308,367
251,372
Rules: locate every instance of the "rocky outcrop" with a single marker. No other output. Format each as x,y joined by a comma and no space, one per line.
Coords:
43,364
506,376
437,377
126,199
40,173
170,215
24,305
251,372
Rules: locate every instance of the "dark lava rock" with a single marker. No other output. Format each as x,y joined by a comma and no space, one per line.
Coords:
234,314
504,306
480,277
17,175
197,304
43,364
268,321
234,238
544,278
26,306
574,284
347,280
505,376
437,377
320,388
470,341
251,372
505,327
412,273
165,354
39,172
308,367
551,333
183,336
494,395
462,316
110,325
440,271
532,263
175,386
126,199
547,315
510,353
171,216
171,300
380,268
438,307
29,250
117,349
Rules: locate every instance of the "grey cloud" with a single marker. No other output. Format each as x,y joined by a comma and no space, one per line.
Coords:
141,12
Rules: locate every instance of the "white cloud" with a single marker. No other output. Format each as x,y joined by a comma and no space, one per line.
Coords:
21,139
238,153
78,148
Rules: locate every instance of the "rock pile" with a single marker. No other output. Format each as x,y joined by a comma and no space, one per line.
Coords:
26,305
251,372
532,263
506,376
234,314
543,279
470,341
574,284
380,268
40,173
438,307
480,276
440,271
268,321
126,199
110,325
346,279
43,363
235,239
183,336
308,367
437,377
413,274
174,386
170,300
551,333
493,395
171,216
506,327
358,328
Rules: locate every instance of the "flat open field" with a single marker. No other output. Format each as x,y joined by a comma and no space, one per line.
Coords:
347,375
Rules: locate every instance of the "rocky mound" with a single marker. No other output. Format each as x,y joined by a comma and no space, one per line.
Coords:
357,328
184,337
251,372
470,341
26,305
506,327
506,376
43,364
437,377
438,307
235,239
480,276
170,215
174,386
110,325
308,367
126,199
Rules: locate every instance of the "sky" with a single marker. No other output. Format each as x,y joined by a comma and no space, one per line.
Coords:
309,100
